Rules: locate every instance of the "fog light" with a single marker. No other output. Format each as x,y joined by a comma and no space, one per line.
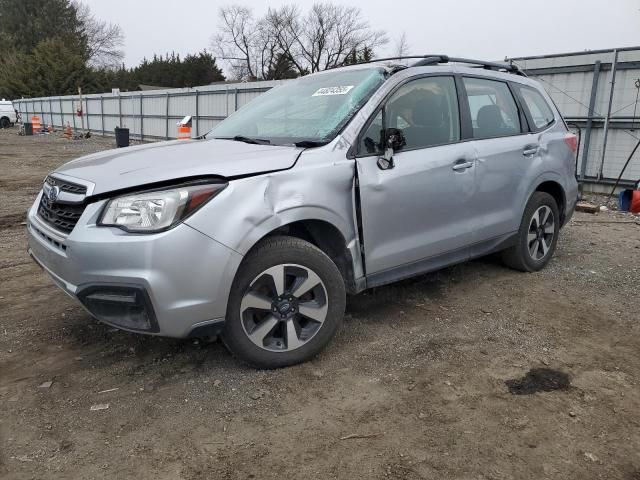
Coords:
121,306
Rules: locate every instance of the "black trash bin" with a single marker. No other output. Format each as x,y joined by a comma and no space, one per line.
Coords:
28,128
122,137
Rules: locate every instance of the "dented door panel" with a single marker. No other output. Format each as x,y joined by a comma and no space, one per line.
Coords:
418,210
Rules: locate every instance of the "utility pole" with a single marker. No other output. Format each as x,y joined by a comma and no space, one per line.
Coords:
614,68
81,110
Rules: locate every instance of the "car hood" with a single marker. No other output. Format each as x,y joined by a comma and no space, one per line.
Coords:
164,161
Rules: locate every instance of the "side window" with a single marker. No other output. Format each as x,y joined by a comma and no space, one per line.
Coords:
374,136
494,112
539,109
425,110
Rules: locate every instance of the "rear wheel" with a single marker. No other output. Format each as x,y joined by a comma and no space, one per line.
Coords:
4,122
287,302
537,236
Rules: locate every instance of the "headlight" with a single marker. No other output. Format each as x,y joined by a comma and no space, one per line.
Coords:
154,211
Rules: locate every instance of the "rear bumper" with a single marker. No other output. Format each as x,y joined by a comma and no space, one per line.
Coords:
570,204
174,283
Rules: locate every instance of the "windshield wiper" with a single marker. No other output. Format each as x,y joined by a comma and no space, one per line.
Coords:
242,138
310,143
255,141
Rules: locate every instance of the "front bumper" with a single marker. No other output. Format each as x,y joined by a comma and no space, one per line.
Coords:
179,280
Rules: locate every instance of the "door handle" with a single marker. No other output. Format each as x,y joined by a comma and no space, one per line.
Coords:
462,165
530,150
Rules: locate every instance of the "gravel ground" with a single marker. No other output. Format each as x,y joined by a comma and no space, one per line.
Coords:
412,388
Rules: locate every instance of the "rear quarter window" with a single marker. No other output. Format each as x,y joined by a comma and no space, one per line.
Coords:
539,110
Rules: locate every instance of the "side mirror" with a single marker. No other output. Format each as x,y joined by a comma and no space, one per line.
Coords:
395,141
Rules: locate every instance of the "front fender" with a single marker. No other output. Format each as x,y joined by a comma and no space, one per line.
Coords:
251,208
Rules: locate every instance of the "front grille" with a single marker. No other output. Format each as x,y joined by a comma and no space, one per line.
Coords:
66,186
62,216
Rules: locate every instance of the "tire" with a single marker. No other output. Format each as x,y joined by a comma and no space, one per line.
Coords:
536,243
4,122
272,326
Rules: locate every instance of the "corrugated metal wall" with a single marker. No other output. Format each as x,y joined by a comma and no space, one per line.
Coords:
149,114
569,79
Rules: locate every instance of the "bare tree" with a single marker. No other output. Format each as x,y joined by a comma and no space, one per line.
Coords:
236,43
325,37
284,28
250,47
328,35
401,46
104,40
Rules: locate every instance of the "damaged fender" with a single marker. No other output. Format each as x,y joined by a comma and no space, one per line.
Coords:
314,190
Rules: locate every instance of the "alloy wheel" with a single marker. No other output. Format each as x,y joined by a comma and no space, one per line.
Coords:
541,232
284,307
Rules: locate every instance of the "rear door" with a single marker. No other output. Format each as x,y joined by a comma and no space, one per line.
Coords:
504,153
419,210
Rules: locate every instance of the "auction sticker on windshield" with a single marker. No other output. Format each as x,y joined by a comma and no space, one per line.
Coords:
332,91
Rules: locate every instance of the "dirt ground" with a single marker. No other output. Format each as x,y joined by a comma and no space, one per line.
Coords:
417,373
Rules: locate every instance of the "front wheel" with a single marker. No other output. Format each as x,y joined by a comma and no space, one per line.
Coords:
537,236
4,122
286,303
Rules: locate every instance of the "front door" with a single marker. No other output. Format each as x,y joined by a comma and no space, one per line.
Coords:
416,215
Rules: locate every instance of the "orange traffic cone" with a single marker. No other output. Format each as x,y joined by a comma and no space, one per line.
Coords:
35,120
184,132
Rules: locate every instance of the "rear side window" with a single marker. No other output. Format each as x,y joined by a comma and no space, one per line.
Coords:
494,112
539,109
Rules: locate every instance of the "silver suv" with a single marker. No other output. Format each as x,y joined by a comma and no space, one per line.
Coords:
329,184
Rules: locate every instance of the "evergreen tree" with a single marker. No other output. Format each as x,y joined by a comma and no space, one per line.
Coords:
281,69
365,55
52,47
172,71
52,68
200,69
26,23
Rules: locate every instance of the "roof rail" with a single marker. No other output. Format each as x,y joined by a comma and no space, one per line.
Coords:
430,58
435,59
507,67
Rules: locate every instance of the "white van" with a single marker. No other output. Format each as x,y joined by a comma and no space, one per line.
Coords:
7,114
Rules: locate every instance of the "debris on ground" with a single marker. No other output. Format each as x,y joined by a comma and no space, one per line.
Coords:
591,457
46,384
586,207
99,406
109,390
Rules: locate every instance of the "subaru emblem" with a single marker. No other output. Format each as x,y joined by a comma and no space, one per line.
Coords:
53,193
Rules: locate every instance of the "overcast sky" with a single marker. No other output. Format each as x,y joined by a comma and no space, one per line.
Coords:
486,29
